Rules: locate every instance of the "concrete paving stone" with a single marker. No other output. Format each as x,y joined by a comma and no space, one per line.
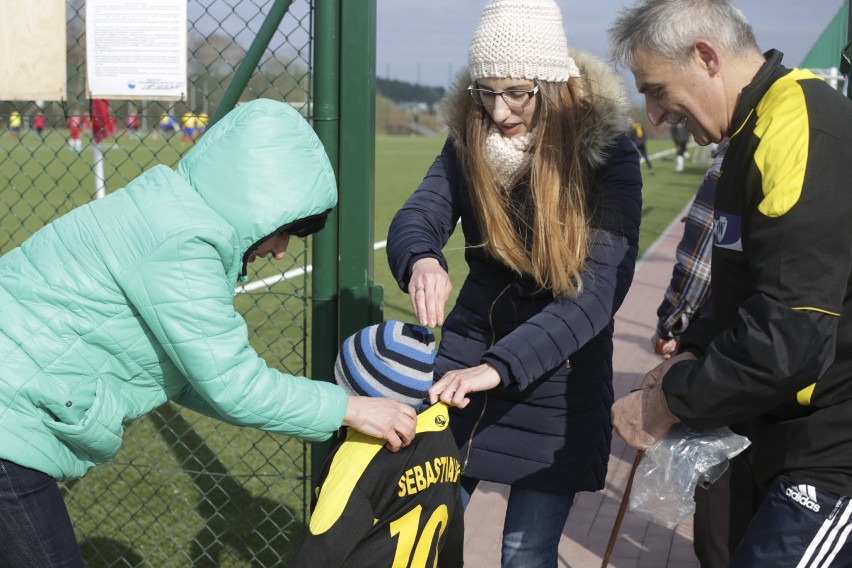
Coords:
681,552
623,563
659,530
626,549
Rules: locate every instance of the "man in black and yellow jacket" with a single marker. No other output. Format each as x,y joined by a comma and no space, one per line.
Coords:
378,508
777,352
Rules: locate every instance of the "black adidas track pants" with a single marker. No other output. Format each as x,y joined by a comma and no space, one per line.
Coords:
798,526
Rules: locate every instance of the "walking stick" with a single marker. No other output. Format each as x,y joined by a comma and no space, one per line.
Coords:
624,500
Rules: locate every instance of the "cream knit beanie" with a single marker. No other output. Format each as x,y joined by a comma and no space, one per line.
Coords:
521,39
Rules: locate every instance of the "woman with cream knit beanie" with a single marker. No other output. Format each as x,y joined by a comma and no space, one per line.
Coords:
547,186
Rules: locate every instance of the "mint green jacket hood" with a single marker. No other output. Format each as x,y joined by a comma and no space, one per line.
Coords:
127,302
254,177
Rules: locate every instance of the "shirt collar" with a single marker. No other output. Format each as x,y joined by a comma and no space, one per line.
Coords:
754,91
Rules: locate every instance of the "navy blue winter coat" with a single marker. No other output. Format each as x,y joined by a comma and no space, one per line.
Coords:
547,426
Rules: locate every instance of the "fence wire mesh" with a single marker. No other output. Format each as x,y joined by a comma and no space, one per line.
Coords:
184,490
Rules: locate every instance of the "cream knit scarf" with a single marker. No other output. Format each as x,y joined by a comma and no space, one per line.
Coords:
509,157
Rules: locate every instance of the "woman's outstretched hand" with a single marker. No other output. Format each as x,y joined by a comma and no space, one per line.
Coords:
382,418
429,289
454,385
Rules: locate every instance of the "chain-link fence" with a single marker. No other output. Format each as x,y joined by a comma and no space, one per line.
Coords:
184,490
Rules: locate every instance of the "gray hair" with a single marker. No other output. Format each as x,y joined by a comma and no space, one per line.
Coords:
668,29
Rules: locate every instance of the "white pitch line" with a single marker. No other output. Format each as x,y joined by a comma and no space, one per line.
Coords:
269,281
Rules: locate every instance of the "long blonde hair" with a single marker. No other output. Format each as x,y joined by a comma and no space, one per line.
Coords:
558,188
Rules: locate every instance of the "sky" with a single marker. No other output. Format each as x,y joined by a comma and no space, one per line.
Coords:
426,41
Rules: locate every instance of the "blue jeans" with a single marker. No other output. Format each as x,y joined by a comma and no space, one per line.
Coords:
532,527
35,529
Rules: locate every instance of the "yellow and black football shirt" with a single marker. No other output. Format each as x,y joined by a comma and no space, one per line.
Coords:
778,355
382,509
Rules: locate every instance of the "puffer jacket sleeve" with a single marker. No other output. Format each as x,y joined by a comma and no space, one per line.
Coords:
182,293
550,337
425,223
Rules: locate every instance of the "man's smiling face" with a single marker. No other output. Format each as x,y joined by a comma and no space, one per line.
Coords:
690,94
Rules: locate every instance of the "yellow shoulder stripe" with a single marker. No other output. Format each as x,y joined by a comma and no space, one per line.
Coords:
434,419
803,397
350,461
782,154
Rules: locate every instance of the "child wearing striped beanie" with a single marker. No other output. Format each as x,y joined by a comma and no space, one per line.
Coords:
392,359
372,502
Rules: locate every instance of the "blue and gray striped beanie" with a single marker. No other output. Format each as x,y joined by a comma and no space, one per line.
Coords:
391,359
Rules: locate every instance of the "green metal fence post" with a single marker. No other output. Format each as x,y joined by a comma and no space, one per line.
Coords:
358,297
324,330
252,58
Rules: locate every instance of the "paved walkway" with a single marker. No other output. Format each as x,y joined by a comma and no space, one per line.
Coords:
641,543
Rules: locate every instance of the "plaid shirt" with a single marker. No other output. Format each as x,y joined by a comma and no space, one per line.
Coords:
690,284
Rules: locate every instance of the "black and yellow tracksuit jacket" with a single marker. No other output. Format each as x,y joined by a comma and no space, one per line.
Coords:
780,358
382,509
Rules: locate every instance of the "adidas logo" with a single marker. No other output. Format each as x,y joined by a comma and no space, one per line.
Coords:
804,495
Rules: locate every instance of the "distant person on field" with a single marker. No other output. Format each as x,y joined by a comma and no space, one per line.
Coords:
188,123
76,124
101,120
201,124
680,137
375,507
132,123
15,123
128,302
168,124
39,122
640,138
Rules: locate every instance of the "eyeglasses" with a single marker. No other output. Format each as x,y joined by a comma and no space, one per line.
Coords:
514,98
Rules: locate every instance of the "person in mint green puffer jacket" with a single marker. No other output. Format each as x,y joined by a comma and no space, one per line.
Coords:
127,302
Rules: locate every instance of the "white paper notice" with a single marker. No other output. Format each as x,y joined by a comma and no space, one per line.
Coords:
136,48
32,41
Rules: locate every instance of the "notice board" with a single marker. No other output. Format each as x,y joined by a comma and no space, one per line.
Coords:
32,51
136,49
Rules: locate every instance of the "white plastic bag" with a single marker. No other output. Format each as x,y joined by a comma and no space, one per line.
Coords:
665,480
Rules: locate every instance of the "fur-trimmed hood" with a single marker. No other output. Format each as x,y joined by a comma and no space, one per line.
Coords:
609,102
